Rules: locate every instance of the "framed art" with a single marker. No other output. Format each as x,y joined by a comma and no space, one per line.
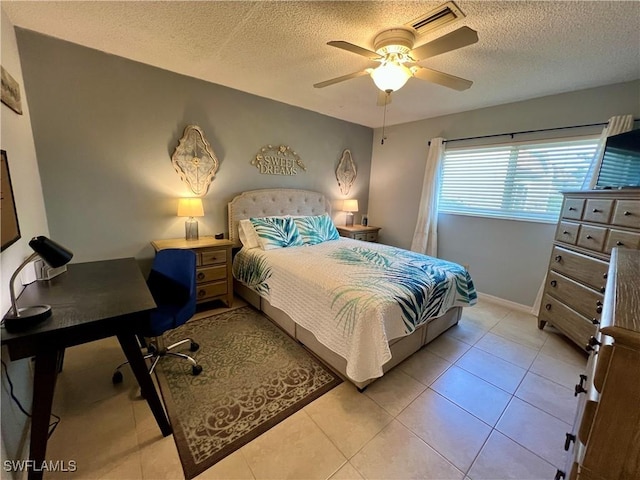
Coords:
10,91
9,228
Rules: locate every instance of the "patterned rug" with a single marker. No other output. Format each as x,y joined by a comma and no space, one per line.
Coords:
254,376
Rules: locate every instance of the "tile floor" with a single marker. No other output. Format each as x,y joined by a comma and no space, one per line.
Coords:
489,399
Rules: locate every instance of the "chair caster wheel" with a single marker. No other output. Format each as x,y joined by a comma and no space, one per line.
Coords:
117,378
194,347
196,369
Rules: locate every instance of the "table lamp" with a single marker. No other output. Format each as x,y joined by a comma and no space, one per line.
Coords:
350,206
54,255
190,207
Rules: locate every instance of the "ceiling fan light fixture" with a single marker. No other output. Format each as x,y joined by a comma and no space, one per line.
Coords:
391,76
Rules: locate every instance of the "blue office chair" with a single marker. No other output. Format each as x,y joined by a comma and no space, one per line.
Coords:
172,283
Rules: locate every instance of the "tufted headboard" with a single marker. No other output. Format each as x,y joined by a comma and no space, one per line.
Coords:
274,201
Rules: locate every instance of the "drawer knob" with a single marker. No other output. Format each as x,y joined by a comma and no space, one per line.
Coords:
595,210
605,275
619,243
201,293
569,437
565,232
558,258
602,289
554,283
200,275
599,309
559,475
548,306
589,237
599,303
626,214
572,209
595,321
593,341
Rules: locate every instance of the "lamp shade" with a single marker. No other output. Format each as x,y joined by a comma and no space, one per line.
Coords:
51,252
350,205
391,76
190,207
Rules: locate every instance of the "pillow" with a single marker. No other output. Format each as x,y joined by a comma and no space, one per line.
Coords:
276,232
316,229
247,234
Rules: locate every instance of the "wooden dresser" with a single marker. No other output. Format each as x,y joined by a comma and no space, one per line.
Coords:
359,232
213,266
591,224
605,441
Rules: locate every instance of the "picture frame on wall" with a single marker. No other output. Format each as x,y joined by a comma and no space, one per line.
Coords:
10,91
9,227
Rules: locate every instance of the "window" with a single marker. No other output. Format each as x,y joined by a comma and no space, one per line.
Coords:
519,181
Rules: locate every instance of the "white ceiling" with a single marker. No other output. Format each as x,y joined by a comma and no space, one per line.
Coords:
278,49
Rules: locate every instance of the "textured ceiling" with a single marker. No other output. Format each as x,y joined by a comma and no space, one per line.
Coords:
278,49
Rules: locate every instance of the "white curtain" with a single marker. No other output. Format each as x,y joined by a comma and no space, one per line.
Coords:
616,125
425,237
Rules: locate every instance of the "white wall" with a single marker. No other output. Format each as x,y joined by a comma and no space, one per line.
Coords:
16,139
507,259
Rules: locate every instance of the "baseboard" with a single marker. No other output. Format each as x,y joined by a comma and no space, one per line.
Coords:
507,303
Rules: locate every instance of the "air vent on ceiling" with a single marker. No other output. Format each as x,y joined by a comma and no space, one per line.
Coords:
436,18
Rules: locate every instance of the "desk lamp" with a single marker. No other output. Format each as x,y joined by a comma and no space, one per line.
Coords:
54,255
190,207
350,206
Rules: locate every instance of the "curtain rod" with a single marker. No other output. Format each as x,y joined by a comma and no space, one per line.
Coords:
601,124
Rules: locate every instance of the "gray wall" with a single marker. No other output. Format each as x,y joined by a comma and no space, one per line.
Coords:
105,128
507,259
17,140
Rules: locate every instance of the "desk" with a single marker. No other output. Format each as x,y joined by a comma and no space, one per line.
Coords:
90,301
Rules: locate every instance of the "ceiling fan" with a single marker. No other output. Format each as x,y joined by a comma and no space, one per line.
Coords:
399,60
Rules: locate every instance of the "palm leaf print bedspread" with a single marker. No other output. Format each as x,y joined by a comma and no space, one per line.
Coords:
356,296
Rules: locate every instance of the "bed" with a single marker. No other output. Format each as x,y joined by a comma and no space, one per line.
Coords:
361,307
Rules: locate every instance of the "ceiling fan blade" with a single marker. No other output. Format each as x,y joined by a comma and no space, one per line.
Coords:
350,47
326,83
443,79
459,38
384,98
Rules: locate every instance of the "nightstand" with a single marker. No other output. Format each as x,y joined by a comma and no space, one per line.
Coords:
359,232
214,280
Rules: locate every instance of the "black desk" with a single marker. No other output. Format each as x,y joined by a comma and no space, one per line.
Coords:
90,301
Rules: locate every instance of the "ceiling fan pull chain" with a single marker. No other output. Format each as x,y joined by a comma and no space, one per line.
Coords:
384,120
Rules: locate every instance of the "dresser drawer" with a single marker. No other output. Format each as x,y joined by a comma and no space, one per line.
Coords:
574,325
619,238
211,257
598,211
592,237
572,208
210,274
580,267
209,290
627,213
567,232
372,237
360,236
575,295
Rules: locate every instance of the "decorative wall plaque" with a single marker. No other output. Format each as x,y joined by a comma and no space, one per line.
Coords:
195,161
280,160
346,172
10,91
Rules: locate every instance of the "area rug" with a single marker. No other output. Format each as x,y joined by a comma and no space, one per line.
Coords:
254,376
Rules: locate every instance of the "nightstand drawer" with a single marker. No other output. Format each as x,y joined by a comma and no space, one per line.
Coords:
211,257
210,274
209,290
360,236
372,237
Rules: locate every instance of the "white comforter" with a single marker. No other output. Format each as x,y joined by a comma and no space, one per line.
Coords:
355,296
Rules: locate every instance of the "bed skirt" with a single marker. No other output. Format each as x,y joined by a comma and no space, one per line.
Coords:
401,348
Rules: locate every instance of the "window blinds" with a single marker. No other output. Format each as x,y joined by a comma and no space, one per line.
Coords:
515,181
